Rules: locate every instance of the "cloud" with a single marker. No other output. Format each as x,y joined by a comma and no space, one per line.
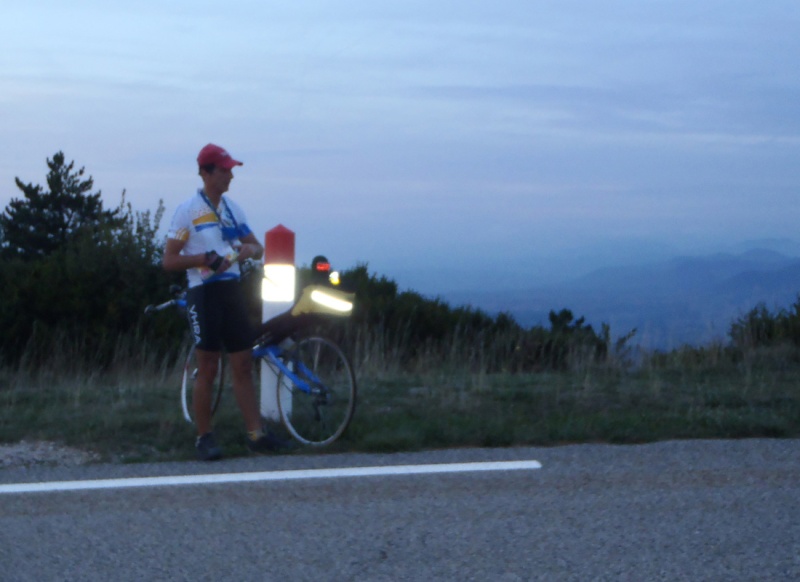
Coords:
476,127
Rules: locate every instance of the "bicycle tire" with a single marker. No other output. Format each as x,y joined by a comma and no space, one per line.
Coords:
187,385
321,417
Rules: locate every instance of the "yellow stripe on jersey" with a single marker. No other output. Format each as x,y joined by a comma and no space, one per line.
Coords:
182,234
205,220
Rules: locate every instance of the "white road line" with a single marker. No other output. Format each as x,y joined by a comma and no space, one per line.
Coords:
266,476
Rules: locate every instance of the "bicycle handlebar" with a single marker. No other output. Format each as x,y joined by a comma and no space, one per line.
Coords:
153,308
247,267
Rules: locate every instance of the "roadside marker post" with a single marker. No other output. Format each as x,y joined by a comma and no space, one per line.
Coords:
278,288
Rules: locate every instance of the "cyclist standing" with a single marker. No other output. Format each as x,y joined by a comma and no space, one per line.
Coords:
207,238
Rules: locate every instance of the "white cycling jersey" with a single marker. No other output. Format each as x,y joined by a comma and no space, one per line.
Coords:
205,229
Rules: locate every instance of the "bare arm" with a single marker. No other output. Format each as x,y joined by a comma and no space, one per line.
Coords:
173,260
251,248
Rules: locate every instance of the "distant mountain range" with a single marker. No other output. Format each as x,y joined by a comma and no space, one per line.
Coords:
684,300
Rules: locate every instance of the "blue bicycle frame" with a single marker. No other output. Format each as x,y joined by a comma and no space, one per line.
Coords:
324,374
274,354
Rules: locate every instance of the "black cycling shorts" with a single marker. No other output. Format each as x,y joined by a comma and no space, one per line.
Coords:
218,317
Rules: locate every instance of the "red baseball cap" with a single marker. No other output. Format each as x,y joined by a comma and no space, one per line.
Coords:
213,154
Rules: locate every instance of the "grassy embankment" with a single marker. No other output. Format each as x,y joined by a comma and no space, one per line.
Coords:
131,411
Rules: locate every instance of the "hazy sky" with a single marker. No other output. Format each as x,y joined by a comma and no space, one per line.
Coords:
424,136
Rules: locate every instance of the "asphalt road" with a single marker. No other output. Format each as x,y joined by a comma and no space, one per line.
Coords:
686,510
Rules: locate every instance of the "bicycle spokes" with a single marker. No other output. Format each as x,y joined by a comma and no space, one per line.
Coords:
317,395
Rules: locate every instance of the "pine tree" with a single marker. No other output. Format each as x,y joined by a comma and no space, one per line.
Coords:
44,221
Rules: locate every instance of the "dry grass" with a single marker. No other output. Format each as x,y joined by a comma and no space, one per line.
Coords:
131,412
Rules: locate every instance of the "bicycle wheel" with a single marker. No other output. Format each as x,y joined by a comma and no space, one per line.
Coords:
318,407
187,385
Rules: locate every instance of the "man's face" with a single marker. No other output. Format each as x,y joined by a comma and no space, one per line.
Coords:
218,181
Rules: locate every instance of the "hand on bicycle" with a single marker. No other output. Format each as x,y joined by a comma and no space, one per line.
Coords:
246,251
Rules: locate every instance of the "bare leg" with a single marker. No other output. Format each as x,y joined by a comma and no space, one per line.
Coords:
244,389
207,366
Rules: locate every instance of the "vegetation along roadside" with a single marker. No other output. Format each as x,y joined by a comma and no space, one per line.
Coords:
80,365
